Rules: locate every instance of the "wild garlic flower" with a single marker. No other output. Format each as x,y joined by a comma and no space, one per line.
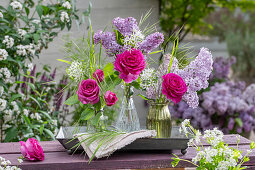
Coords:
3,104
16,5
35,116
21,50
8,41
15,106
76,71
67,5
3,54
22,32
148,78
133,40
64,17
5,164
1,15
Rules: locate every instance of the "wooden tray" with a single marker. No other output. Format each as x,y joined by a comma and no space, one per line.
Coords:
177,141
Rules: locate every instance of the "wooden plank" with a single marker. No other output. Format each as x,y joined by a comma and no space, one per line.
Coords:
119,160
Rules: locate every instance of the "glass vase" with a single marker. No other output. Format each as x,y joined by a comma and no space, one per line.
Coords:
159,119
127,119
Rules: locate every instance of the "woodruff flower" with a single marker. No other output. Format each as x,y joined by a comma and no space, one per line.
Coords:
22,32
3,104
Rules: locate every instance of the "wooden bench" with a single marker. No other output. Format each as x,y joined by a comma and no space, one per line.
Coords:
56,157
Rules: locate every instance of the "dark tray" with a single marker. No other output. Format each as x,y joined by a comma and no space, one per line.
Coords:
177,141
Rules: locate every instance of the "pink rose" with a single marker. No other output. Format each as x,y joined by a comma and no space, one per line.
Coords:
32,150
173,87
88,92
130,64
99,75
110,98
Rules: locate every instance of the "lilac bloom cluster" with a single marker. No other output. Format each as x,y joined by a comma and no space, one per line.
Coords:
221,67
132,35
109,42
224,106
198,116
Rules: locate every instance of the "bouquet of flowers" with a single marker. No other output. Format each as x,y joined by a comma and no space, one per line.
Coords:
218,156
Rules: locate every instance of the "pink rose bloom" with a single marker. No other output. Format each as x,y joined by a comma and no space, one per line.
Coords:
88,92
173,87
32,150
130,64
99,75
110,98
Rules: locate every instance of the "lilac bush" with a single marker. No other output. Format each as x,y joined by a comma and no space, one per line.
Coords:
228,105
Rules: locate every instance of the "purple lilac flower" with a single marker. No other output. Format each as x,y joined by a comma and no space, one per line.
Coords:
221,67
109,42
125,26
151,42
249,94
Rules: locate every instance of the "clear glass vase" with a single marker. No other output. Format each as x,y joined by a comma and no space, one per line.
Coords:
159,119
127,119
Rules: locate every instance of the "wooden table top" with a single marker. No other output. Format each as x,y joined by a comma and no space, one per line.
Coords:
56,157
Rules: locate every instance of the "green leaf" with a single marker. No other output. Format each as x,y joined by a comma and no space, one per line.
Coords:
64,61
155,52
11,134
145,98
27,10
108,69
252,145
95,120
41,129
119,37
26,119
239,122
49,133
36,101
36,37
39,10
15,96
87,114
72,100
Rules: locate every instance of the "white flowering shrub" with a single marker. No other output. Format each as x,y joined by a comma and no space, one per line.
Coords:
218,155
6,164
27,27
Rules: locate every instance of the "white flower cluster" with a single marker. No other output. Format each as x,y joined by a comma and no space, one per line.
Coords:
16,5
5,74
3,54
103,117
64,17
3,104
8,41
22,32
134,40
35,116
214,137
184,125
26,112
67,5
23,50
1,15
75,71
5,165
148,78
